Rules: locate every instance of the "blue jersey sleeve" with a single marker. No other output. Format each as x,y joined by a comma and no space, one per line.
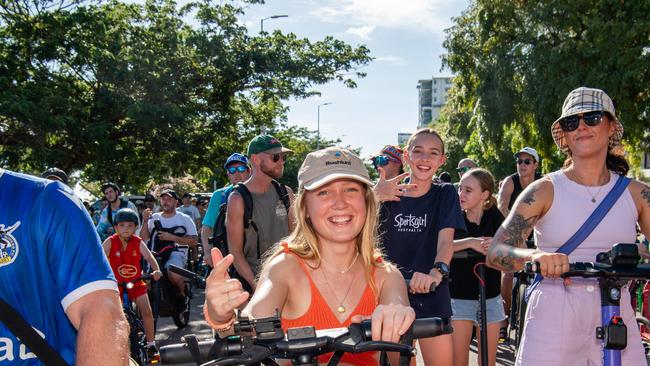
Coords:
74,255
213,208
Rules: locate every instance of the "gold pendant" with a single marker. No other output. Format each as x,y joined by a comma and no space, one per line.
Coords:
341,309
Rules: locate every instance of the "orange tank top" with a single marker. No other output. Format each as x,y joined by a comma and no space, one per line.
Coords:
320,316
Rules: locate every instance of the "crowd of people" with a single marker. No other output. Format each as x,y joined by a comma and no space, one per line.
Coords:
339,249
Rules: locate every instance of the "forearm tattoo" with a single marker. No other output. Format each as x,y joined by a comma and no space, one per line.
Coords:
505,253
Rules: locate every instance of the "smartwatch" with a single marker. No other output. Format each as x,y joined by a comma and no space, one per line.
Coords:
443,268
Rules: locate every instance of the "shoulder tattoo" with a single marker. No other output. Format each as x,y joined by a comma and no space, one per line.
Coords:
645,194
529,197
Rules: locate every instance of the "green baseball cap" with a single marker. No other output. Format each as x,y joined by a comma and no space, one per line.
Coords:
267,144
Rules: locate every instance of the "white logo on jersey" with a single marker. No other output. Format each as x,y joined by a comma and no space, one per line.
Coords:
8,244
7,349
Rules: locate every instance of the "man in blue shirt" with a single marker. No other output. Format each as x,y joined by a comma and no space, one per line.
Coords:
238,170
53,272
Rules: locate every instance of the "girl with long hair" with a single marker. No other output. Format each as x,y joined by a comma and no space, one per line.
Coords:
329,271
418,221
482,219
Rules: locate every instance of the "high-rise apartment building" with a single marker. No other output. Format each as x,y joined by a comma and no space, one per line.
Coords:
432,94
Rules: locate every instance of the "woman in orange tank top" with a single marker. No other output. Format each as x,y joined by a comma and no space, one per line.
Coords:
329,272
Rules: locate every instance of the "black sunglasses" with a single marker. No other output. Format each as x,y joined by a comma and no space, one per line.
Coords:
571,123
276,157
232,169
524,161
462,169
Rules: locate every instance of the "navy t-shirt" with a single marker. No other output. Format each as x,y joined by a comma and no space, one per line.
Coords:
464,283
409,233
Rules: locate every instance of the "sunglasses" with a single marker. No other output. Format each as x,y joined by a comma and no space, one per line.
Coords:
380,160
524,161
232,169
571,123
463,169
276,157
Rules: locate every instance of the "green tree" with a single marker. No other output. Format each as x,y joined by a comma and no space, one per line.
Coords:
517,60
132,92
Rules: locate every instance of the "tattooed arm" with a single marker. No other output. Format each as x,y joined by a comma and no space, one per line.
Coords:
508,250
641,196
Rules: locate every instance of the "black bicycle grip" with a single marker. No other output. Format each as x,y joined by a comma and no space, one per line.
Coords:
421,328
209,350
432,288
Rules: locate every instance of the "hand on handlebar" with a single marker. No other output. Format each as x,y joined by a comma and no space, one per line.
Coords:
389,321
551,264
156,275
421,283
223,294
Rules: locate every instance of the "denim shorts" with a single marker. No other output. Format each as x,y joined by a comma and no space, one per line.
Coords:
177,258
469,310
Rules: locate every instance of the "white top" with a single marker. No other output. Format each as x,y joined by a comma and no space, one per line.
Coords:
570,209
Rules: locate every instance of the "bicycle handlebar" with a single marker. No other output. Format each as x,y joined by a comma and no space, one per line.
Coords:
300,341
597,270
186,273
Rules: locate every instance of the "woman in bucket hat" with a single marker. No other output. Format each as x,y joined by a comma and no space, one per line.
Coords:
562,315
329,272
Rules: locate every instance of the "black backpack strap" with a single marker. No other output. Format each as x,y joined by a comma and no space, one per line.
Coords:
283,193
248,203
21,329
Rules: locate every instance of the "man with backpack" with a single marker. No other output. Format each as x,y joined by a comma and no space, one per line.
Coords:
237,170
257,214
115,203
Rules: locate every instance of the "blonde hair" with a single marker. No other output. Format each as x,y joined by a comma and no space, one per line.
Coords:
303,240
486,182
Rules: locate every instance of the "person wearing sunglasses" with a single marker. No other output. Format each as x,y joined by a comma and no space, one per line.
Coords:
464,165
238,170
390,161
526,160
269,219
561,319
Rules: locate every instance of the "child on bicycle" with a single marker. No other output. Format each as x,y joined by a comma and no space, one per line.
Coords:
125,251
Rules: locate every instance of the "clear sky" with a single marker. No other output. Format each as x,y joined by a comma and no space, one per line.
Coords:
405,38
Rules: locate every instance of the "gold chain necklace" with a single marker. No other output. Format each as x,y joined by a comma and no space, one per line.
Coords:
593,196
341,308
344,271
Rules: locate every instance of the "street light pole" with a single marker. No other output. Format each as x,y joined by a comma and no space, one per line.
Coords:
271,17
318,124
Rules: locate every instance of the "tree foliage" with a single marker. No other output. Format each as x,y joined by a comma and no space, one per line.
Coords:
130,92
516,61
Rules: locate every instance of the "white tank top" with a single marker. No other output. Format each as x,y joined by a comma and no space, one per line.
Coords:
570,209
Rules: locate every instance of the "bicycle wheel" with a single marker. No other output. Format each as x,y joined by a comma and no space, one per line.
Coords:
182,317
521,313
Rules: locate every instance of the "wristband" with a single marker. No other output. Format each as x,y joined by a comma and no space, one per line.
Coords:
219,327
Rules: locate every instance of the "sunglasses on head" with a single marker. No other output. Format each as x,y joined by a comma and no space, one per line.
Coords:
276,157
463,169
380,160
524,161
235,169
571,123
